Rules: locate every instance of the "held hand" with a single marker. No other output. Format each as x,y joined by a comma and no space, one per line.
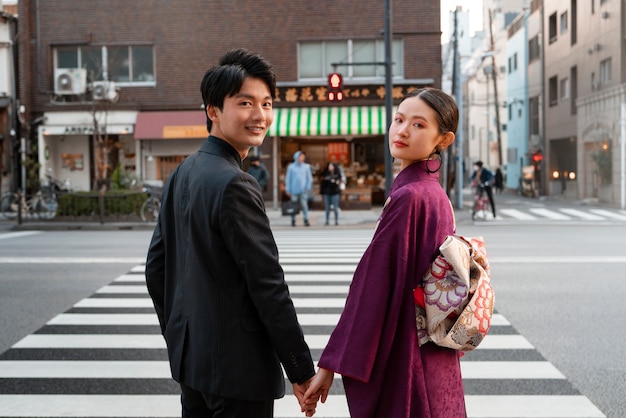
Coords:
319,386
298,391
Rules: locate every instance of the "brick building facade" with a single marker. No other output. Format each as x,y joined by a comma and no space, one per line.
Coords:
134,70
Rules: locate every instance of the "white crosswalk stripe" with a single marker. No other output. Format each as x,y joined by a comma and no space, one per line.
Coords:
318,281
557,214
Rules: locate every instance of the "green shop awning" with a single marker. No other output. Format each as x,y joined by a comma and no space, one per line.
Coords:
328,121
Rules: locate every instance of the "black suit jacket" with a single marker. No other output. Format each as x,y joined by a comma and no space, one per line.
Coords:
218,289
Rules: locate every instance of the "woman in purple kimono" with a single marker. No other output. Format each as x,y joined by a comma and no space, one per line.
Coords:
374,346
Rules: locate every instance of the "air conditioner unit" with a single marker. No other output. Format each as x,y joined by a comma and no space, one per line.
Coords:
104,90
70,81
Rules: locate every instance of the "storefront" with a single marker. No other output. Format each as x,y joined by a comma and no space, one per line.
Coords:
164,139
67,151
350,135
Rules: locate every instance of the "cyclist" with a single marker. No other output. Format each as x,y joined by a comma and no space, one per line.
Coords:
482,178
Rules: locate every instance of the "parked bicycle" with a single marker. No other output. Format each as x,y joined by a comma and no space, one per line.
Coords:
482,206
152,205
40,205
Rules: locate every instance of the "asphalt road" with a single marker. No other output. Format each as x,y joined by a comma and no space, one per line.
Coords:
561,285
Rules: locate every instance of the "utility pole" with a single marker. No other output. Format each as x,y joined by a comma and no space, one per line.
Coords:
388,98
495,89
458,95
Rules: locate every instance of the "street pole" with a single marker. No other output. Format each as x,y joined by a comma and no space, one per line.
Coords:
388,98
623,155
458,95
495,91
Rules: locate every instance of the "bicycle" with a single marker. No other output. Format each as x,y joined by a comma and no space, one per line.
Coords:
481,203
151,207
40,205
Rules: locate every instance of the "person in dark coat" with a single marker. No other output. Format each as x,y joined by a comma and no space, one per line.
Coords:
375,348
330,188
212,268
258,171
498,180
482,179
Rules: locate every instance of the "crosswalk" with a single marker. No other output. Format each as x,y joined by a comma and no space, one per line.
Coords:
105,356
555,214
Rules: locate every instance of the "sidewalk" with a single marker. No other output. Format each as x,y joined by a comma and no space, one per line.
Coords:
347,219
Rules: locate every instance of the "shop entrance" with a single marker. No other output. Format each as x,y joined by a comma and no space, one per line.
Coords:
362,160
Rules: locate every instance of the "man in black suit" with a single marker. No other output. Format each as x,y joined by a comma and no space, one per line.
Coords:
212,268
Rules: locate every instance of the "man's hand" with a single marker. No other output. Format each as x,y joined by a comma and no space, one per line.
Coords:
309,407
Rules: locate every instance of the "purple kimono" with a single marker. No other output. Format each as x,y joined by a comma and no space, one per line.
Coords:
374,346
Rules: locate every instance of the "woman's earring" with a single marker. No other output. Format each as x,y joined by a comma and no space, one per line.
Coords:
437,152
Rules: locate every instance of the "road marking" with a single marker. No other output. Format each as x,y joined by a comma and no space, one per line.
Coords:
151,319
609,214
147,303
156,341
136,369
336,406
144,341
70,260
104,319
9,235
509,370
531,406
582,214
518,214
558,259
550,214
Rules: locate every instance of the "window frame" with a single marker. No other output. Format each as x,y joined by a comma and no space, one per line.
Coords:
348,71
80,52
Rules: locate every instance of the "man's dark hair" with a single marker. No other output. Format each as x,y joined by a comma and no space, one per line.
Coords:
226,78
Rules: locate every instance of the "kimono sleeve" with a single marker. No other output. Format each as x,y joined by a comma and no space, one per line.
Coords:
367,327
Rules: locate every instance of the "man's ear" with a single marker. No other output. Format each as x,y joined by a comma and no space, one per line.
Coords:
211,113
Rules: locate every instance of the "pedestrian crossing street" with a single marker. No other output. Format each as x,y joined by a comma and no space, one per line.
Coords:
105,357
558,214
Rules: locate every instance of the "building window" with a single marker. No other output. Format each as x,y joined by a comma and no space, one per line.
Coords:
515,61
564,88
574,20
563,23
573,75
533,109
533,49
316,59
594,82
553,91
605,71
126,65
552,28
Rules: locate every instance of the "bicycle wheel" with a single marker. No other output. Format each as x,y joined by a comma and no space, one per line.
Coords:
150,209
9,205
487,212
46,206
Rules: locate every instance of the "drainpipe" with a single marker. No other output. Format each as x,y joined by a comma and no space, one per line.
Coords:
623,156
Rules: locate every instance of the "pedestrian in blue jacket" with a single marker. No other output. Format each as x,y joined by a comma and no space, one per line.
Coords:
298,183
